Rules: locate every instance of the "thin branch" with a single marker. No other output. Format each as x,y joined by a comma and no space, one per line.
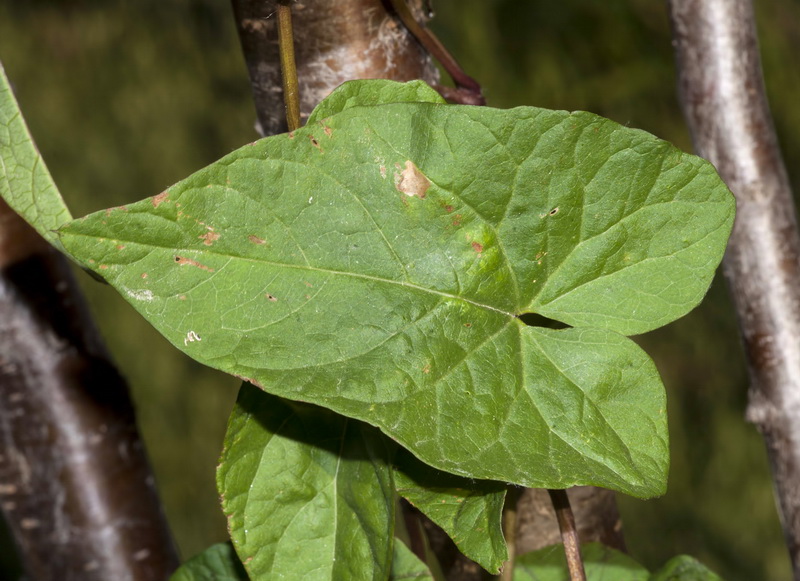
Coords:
291,89
725,104
510,531
78,493
569,534
468,90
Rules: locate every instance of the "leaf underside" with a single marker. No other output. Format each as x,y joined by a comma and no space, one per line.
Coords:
376,263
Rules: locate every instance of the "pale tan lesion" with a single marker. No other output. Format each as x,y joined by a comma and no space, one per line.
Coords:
411,181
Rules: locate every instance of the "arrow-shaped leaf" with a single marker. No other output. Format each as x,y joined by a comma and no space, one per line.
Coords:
376,263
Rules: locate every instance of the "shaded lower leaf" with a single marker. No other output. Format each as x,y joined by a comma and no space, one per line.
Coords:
375,92
600,562
217,563
469,511
308,493
684,568
406,566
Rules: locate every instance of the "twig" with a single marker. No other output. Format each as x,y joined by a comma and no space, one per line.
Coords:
569,534
468,90
726,109
291,90
510,532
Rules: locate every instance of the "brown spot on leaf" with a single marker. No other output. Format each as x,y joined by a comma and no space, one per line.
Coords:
256,240
426,369
209,237
272,298
468,325
314,142
477,247
120,247
159,199
411,181
448,208
144,275
457,221
183,261
309,285
103,267
553,212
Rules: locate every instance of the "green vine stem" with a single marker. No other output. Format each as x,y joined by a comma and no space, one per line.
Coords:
569,534
291,91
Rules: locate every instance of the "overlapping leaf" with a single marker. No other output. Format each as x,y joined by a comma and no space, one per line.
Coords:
308,493
600,562
406,566
25,182
603,563
376,263
469,511
217,563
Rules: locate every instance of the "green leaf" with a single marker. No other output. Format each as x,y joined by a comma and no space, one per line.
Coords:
469,511
308,493
600,562
406,566
684,568
376,92
217,563
376,264
25,183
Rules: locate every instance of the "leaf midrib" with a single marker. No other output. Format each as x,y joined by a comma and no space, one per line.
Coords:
329,271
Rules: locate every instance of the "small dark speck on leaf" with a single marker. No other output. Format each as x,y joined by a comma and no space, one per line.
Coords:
468,325
272,298
554,211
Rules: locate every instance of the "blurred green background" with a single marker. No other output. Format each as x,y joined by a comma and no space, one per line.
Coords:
126,98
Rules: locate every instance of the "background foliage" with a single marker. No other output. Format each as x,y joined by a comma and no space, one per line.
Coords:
127,98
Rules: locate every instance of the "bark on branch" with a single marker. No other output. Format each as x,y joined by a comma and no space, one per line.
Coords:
725,104
75,485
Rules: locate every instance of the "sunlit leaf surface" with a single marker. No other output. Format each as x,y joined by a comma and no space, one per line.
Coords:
377,261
